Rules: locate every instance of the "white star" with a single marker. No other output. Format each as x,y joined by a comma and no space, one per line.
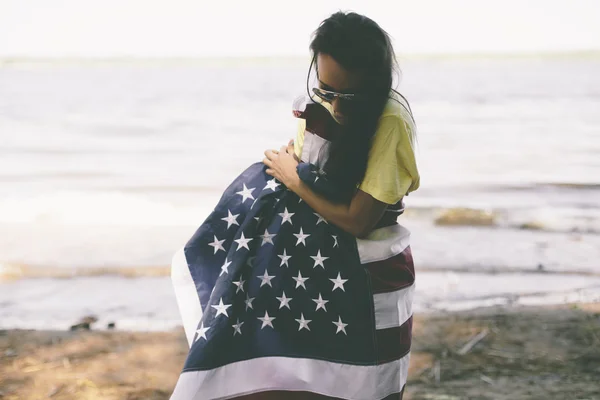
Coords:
335,243
341,327
321,219
301,237
238,327
201,331
248,302
266,320
320,303
242,242
265,279
284,301
217,244
253,203
299,200
300,280
221,308
316,175
284,258
319,260
239,284
267,237
246,193
287,216
231,219
303,322
338,283
224,268
272,184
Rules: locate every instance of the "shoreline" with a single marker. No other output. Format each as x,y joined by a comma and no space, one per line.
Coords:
495,353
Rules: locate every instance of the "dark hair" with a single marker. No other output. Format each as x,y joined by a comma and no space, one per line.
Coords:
361,46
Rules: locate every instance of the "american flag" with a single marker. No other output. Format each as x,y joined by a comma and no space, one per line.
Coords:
277,300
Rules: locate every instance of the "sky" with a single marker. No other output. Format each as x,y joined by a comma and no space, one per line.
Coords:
217,28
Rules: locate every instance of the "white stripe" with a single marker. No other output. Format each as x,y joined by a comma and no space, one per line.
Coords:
186,295
383,243
345,381
311,149
393,308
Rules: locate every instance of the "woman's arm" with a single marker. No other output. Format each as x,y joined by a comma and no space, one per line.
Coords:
357,218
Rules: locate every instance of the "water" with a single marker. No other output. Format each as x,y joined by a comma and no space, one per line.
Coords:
114,165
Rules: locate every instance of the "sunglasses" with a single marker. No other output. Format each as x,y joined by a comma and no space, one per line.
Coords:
329,96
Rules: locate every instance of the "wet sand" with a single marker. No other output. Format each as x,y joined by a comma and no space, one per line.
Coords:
490,353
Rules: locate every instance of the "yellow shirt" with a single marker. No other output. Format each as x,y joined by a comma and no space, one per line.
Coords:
391,169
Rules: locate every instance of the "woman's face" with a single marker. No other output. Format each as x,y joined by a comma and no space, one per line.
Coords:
332,76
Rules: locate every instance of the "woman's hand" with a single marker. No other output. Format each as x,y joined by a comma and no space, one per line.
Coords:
282,165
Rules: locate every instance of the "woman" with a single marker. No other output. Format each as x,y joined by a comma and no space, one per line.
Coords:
303,290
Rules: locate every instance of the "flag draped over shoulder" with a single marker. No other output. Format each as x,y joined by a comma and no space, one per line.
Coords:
275,298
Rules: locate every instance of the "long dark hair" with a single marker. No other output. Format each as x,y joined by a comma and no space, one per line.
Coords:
360,46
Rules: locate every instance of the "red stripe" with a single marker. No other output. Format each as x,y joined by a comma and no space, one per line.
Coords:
395,273
394,343
289,395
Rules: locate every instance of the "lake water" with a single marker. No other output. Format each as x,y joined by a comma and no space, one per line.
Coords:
109,166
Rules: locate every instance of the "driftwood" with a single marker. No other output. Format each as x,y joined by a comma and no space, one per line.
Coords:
471,343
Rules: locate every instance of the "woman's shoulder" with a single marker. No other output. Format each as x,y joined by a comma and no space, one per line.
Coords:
397,107
397,119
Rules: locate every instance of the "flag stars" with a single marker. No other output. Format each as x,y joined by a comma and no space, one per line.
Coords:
267,237
319,260
284,259
217,244
341,327
320,303
242,242
320,219
284,301
300,280
237,327
286,216
224,267
338,283
248,302
265,279
201,332
230,219
221,308
301,236
246,193
303,323
239,284
272,184
266,320
335,242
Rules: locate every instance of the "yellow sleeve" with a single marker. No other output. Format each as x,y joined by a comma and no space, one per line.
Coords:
299,140
391,170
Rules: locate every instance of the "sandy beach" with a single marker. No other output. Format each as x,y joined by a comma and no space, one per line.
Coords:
487,353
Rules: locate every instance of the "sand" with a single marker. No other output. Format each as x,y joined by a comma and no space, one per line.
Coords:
491,353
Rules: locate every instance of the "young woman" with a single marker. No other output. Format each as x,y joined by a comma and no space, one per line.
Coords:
299,285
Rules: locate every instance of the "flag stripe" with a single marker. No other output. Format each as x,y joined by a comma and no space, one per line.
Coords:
393,308
383,243
186,295
287,395
394,343
337,380
396,272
